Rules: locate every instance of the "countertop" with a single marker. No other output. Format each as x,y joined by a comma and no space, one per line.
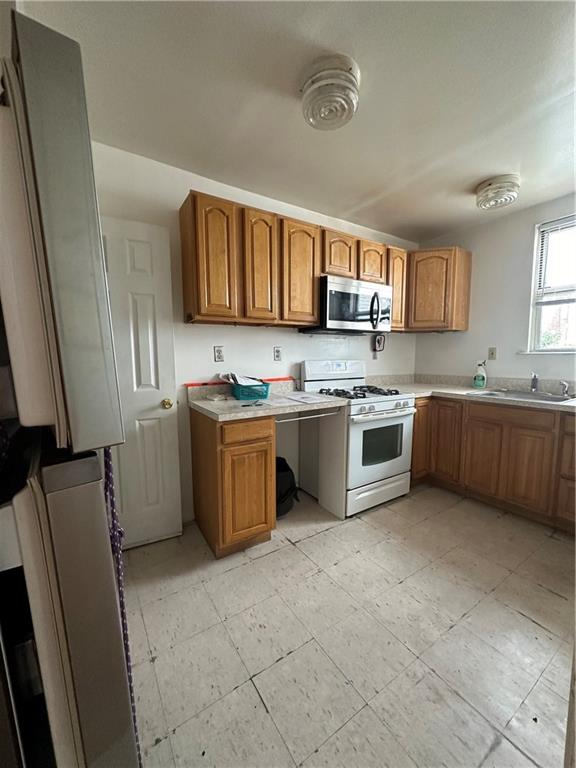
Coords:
278,405
275,405
467,393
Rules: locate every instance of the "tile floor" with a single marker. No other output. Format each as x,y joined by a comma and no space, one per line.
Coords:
431,632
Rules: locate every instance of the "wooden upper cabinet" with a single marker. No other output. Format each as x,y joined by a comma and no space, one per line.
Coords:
372,262
209,229
445,439
339,254
482,456
300,260
261,289
439,289
528,468
398,278
421,438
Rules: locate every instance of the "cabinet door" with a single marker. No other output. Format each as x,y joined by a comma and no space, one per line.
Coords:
248,491
566,500
565,507
528,467
372,262
398,273
300,270
567,456
339,254
261,292
482,454
421,439
217,257
430,289
446,435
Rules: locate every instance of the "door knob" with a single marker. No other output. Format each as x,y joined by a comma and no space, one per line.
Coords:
167,403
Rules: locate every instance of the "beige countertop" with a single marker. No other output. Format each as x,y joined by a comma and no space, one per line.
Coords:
275,405
467,393
278,405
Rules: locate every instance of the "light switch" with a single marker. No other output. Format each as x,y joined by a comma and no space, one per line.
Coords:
492,353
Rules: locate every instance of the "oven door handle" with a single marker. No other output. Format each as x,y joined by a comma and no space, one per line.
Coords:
400,412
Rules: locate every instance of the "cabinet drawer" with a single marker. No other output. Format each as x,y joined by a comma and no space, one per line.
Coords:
521,416
245,431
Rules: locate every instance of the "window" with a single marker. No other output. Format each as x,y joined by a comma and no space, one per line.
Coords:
553,318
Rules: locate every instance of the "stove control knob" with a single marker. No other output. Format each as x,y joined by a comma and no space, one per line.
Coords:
371,407
362,409
405,404
398,404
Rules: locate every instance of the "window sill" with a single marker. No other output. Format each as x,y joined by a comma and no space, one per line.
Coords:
546,352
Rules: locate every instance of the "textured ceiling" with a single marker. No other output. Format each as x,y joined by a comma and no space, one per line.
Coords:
451,93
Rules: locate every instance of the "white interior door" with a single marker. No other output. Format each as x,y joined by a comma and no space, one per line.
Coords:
147,466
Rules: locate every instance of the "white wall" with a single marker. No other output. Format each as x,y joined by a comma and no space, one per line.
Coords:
136,188
502,263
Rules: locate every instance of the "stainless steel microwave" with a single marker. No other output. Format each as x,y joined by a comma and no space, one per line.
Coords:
354,305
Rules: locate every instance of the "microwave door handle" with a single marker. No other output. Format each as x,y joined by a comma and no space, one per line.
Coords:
377,319
373,321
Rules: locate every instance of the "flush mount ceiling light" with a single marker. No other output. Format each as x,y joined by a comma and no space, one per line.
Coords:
498,191
331,92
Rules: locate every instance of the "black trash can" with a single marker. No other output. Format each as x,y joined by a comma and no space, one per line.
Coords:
286,488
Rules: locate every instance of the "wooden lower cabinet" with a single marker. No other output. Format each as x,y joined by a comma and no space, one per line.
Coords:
527,468
566,500
565,496
518,458
234,481
421,439
482,456
248,495
445,439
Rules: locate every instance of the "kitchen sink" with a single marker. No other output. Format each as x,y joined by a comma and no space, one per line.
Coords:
516,394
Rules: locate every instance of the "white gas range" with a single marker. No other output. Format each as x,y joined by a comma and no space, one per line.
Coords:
375,429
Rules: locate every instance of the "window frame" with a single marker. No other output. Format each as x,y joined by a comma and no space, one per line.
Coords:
538,293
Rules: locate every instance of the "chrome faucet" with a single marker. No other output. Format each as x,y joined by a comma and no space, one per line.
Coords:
533,382
565,387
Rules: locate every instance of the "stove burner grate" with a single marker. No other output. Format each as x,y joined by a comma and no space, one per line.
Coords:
371,390
348,394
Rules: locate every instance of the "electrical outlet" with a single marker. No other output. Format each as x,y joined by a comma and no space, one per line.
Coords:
492,353
277,354
218,354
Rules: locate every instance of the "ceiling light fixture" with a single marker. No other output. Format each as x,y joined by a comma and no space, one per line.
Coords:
498,191
331,92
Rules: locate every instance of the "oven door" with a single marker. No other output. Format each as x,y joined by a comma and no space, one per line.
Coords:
380,446
355,305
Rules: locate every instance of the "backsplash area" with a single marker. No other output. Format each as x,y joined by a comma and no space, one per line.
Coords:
249,351
494,382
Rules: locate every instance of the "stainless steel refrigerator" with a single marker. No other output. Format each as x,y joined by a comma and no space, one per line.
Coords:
64,676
